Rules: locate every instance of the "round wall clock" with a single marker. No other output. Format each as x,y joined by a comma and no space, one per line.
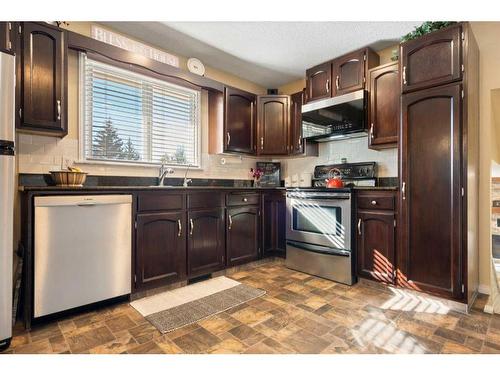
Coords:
196,66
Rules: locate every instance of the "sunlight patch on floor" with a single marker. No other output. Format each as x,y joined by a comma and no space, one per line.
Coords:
386,336
408,301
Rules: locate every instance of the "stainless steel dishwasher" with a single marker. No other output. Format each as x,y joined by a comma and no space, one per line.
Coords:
83,250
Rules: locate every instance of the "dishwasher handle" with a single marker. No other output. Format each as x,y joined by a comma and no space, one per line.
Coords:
82,200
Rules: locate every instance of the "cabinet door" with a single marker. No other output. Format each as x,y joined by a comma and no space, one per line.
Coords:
384,106
239,121
273,124
6,44
161,248
431,60
274,224
205,241
349,73
430,253
296,143
242,236
43,79
319,82
376,244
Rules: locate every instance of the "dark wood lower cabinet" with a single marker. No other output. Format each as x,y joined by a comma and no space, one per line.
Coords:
376,245
161,248
242,235
274,224
376,235
205,244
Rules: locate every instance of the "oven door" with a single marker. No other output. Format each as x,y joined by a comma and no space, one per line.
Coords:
318,219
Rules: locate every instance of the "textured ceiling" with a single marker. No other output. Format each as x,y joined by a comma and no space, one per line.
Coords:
267,53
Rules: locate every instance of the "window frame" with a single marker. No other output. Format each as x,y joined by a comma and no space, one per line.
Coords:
144,74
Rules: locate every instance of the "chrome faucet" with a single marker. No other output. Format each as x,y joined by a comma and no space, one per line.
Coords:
163,172
187,180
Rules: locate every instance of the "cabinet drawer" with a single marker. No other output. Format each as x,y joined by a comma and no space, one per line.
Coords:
157,201
208,199
376,202
241,199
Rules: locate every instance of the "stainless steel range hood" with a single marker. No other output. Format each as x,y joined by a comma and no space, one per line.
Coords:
335,118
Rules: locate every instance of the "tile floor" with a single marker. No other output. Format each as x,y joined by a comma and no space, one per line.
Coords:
299,314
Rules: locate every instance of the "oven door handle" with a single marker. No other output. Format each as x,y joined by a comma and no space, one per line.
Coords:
319,249
319,197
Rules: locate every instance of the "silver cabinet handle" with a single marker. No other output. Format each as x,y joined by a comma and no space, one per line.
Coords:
337,84
228,138
191,224
230,222
58,109
300,141
374,203
327,85
359,226
404,75
403,190
371,132
245,199
261,143
179,226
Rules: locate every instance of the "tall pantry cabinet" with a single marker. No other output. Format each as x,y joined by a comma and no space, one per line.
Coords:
438,151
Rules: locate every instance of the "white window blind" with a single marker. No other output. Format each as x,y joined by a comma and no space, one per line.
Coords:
130,117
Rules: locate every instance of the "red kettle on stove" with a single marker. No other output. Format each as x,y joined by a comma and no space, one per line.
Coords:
334,179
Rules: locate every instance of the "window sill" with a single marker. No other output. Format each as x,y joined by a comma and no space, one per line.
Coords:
135,165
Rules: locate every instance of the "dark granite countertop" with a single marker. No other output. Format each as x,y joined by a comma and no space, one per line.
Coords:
168,188
134,188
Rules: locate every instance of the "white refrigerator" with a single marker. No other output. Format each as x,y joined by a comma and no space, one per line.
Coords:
7,175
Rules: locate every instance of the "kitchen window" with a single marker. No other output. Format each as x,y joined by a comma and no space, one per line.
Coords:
133,118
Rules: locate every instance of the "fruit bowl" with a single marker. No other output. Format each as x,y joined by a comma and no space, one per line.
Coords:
68,178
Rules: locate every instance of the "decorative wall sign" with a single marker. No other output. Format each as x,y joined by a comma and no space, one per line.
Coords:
120,41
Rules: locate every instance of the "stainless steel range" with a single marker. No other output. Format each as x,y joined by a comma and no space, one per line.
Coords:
319,224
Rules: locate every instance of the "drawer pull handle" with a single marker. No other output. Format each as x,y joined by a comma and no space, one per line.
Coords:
337,84
327,85
245,199
230,222
192,227
179,226
374,203
359,227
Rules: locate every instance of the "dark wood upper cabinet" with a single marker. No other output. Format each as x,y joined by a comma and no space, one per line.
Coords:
42,79
274,224
431,60
239,121
349,73
296,142
319,82
242,235
384,106
273,124
431,167
160,249
6,42
206,241
376,237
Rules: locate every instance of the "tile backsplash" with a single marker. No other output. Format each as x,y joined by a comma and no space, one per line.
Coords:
354,150
41,154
